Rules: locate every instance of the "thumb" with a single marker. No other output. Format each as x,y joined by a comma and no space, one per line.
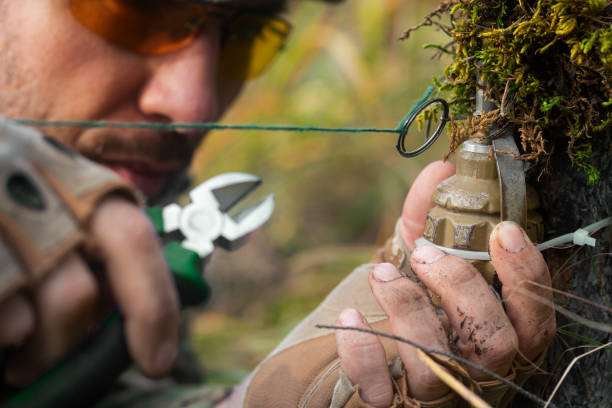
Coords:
418,202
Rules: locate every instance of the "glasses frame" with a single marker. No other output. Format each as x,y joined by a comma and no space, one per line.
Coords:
231,19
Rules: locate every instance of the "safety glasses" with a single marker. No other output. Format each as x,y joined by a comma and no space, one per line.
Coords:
250,41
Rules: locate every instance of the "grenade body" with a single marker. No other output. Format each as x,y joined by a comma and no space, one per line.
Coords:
468,206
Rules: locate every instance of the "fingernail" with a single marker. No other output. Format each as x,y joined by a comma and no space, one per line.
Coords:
165,356
427,254
510,237
386,272
350,317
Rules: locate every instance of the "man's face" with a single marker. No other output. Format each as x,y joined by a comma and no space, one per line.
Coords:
53,68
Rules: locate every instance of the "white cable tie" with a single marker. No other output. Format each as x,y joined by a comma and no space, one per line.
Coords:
461,253
581,237
596,226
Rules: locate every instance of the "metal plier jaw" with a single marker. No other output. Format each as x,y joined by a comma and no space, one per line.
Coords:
205,223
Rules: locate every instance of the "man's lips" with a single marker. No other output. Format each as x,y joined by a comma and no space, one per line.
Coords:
146,159
148,180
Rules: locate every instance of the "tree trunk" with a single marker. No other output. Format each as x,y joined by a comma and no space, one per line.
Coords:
568,203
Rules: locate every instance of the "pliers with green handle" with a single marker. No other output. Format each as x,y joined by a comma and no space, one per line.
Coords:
201,226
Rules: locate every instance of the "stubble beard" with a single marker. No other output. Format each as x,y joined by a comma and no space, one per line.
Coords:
17,81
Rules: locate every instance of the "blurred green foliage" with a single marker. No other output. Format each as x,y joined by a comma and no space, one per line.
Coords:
338,195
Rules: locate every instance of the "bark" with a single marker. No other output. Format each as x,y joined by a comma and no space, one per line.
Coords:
568,203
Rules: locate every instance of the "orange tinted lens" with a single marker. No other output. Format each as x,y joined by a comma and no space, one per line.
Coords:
251,44
145,26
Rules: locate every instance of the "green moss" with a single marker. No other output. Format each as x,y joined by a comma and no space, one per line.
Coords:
548,65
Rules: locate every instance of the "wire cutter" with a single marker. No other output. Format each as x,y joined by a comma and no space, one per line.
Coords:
205,224
201,226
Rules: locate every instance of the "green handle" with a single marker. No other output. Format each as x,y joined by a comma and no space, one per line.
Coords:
183,263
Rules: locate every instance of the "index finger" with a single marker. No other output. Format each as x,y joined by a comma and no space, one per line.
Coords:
419,202
140,282
529,307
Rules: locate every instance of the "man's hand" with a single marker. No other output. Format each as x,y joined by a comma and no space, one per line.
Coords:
489,335
65,307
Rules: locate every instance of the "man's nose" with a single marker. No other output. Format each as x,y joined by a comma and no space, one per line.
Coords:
183,85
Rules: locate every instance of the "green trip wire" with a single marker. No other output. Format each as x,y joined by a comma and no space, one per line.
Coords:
219,126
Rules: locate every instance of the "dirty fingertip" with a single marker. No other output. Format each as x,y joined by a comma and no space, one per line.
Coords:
386,272
350,317
510,237
427,254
